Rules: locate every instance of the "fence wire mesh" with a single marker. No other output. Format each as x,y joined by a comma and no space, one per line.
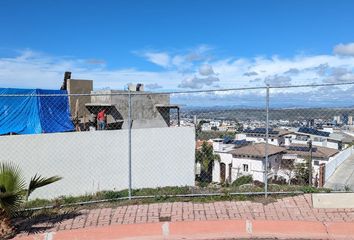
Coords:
122,144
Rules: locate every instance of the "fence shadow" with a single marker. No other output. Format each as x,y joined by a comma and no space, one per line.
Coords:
39,222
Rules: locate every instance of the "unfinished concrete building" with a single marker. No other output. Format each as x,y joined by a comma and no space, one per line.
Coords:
147,110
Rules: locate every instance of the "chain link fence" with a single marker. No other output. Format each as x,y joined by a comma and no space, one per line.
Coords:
130,144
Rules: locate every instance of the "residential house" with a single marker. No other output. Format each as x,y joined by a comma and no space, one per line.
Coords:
247,160
318,138
299,153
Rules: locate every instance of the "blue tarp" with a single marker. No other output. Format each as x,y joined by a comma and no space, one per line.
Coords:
32,113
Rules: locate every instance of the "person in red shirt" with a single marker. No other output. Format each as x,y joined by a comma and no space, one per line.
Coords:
101,119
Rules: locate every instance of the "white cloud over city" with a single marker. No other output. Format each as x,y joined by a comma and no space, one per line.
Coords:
186,69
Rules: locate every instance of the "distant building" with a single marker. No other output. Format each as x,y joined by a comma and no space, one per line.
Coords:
318,138
206,127
350,120
336,120
311,123
258,135
345,118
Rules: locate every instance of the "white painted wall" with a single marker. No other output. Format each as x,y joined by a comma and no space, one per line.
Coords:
96,161
216,172
240,136
254,168
272,141
333,145
224,158
335,161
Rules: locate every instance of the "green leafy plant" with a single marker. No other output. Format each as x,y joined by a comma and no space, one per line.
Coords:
302,172
205,156
13,190
242,180
310,189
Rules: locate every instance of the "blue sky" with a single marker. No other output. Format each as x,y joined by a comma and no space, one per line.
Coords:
176,44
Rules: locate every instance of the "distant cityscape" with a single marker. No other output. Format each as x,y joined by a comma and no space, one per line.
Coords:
233,120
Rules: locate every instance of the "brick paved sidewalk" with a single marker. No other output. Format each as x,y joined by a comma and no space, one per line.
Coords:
298,208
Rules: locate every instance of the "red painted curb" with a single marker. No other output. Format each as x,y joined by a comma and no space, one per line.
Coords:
206,230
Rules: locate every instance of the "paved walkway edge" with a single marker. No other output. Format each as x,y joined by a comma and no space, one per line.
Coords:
207,230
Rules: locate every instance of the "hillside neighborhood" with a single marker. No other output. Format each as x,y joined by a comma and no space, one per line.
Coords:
176,120
243,147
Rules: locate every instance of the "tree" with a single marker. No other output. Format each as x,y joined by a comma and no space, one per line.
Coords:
239,126
198,129
13,189
206,157
302,172
288,166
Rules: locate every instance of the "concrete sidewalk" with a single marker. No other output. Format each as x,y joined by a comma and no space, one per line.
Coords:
288,217
207,230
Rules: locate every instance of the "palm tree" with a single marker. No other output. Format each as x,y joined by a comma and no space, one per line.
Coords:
13,190
206,157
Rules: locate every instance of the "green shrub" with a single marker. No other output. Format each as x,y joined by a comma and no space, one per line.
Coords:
274,188
37,203
111,194
242,180
309,189
203,184
249,188
258,183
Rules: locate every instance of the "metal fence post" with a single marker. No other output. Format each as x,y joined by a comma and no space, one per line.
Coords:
266,145
130,143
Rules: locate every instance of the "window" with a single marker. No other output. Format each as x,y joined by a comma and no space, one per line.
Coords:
245,167
316,163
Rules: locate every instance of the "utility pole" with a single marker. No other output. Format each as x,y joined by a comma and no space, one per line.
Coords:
310,162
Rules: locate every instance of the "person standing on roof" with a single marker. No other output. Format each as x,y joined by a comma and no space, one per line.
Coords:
101,119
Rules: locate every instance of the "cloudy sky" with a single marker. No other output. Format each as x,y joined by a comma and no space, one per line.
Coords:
176,44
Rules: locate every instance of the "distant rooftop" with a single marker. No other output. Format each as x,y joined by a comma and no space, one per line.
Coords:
317,152
263,131
313,131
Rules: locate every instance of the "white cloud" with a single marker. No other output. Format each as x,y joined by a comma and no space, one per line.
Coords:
153,86
37,70
344,49
249,74
159,58
292,71
276,80
206,70
198,83
339,74
189,69
183,60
